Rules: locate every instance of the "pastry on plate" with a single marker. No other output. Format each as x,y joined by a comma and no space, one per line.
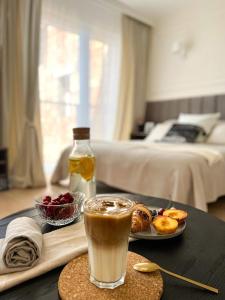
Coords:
177,214
141,218
165,225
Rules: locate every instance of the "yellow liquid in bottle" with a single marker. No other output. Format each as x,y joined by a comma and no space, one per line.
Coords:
82,174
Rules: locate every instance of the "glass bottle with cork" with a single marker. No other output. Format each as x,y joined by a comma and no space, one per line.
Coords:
82,164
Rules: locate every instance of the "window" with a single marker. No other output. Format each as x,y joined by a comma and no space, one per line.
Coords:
78,73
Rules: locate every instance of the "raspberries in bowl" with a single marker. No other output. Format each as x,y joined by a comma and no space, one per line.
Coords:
60,210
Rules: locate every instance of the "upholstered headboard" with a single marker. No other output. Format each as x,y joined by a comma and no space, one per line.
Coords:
163,110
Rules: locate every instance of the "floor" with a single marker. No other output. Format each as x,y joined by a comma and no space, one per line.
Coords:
18,199
218,208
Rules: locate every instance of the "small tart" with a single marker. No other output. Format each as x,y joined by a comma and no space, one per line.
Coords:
165,225
179,215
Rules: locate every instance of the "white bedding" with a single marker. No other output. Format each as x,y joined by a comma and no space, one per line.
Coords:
189,173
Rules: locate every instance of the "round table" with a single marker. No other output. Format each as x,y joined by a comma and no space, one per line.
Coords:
199,253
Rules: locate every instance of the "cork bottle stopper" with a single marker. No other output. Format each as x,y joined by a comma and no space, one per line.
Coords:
81,133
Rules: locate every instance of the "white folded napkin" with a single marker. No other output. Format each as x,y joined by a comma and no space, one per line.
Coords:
59,247
21,248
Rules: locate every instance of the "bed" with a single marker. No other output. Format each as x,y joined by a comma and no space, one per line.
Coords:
190,173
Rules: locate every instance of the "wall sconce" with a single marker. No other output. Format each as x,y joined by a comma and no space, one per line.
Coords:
180,48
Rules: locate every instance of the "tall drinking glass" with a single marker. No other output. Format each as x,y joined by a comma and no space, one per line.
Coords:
107,221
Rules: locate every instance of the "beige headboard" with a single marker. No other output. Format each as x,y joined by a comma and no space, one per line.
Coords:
163,110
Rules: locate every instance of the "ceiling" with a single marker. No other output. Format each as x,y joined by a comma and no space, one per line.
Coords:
152,9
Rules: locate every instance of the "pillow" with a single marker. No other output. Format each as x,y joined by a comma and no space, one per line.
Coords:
182,133
159,131
206,121
217,135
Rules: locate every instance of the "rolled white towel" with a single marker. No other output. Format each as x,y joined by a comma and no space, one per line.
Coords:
21,248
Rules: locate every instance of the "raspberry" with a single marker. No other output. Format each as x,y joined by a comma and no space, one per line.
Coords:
47,199
71,210
68,197
45,202
49,211
160,213
63,200
55,202
64,213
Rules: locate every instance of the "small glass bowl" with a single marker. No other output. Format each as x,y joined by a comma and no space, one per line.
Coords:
61,214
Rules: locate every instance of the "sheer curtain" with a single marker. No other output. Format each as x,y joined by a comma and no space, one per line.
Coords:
79,71
133,78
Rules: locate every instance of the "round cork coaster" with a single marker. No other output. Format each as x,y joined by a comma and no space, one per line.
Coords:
74,282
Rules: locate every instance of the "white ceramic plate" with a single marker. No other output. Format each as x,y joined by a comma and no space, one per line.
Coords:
153,235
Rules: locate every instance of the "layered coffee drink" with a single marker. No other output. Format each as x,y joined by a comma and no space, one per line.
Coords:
107,223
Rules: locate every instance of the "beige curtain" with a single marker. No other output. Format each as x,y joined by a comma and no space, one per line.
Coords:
133,80
20,55
3,132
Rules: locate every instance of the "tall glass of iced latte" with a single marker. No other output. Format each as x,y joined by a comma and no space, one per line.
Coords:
107,223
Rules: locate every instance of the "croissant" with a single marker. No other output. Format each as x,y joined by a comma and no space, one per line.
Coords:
141,218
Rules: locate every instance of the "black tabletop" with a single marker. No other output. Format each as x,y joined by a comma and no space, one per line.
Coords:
199,253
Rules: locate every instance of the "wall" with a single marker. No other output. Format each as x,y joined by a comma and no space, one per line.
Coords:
202,71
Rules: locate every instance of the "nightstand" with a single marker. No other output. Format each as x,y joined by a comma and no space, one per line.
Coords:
4,184
138,135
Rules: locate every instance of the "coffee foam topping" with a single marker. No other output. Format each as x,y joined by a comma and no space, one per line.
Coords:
109,205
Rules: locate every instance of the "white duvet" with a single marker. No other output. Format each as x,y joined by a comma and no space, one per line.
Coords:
189,173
